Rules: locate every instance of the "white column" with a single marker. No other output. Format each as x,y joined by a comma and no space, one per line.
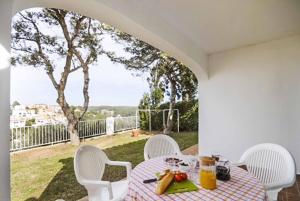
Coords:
199,119
5,20
110,125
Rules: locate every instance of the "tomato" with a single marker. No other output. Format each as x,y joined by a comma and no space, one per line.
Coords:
178,177
183,176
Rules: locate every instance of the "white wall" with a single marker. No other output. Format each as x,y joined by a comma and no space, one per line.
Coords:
252,96
5,10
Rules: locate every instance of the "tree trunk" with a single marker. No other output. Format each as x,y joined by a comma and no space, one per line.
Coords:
71,118
73,131
170,119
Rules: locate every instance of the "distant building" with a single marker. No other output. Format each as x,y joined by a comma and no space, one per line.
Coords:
42,113
17,122
23,112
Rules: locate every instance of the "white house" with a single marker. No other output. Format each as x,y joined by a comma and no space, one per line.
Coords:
23,111
245,53
17,122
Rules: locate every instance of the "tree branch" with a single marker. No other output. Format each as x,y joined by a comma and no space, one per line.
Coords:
49,67
77,27
66,72
60,16
23,38
21,50
75,69
61,20
86,78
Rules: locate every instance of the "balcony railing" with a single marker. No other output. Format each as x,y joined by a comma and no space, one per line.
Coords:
35,136
125,123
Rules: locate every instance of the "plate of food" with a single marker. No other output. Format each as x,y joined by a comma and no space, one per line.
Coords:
172,161
174,182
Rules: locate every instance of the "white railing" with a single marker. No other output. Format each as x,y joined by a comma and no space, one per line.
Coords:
125,123
35,136
91,128
30,136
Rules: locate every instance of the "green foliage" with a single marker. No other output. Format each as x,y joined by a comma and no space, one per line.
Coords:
188,117
92,116
118,110
156,97
15,103
144,116
164,70
30,122
167,76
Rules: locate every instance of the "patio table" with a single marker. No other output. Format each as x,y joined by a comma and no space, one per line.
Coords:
241,187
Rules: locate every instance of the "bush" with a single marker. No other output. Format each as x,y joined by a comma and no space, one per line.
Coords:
30,122
188,117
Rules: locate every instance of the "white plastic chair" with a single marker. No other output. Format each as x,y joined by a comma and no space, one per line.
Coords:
273,165
160,145
89,165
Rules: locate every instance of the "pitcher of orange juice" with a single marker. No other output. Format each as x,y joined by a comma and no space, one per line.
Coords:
208,179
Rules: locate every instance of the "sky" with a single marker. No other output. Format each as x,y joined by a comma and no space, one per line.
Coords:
110,84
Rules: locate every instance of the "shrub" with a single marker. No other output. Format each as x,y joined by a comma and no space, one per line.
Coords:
188,117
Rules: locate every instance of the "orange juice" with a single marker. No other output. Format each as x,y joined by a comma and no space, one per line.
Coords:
207,174
208,179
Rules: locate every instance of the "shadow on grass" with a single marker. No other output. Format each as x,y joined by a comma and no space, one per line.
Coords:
65,186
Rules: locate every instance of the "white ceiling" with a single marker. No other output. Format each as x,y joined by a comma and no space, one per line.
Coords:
214,25
190,30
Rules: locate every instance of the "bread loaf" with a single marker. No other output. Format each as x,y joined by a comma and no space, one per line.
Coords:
163,184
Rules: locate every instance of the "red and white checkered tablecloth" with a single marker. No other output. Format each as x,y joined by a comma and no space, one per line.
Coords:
241,187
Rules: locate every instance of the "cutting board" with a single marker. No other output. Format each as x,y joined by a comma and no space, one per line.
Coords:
180,187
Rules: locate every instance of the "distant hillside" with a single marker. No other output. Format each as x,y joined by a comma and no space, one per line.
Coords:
118,110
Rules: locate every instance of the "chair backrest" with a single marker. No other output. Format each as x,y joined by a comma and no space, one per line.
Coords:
89,163
271,163
160,145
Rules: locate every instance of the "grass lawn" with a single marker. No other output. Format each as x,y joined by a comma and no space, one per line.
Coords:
47,174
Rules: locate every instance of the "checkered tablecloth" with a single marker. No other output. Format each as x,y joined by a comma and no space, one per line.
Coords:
241,187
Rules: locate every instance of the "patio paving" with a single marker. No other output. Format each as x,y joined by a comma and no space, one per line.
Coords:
291,193
193,150
288,194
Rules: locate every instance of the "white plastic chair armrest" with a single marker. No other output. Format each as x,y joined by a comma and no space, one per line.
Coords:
238,163
122,163
269,187
92,183
277,186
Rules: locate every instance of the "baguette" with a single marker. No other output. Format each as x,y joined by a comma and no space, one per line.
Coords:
163,184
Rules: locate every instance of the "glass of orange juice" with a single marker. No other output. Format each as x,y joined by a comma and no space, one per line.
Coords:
207,173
